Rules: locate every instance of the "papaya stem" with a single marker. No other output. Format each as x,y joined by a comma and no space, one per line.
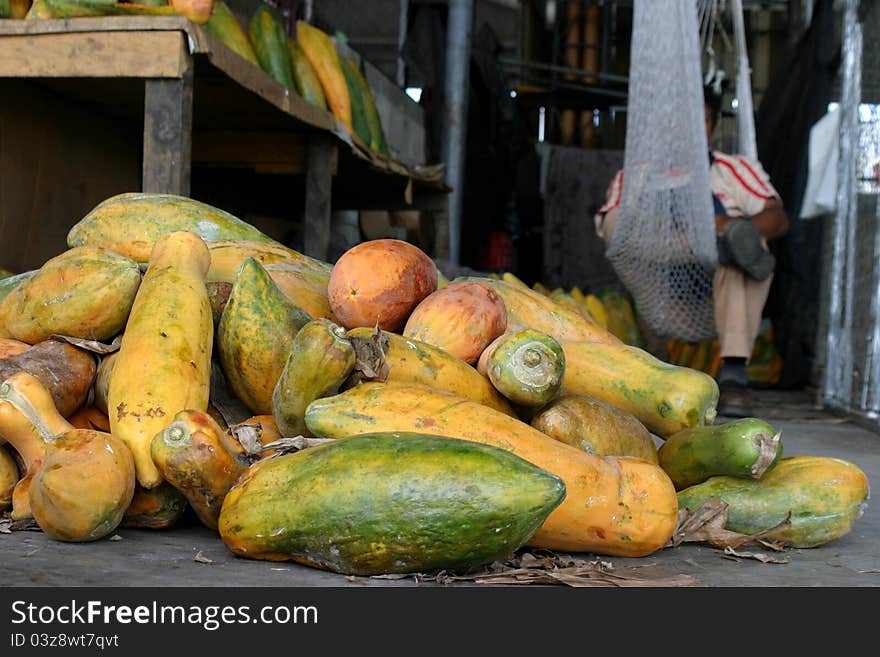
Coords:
767,448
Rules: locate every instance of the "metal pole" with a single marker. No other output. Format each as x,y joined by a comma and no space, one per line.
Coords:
838,384
403,23
745,119
459,28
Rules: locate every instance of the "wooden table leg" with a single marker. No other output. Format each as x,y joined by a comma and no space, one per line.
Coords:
321,162
168,134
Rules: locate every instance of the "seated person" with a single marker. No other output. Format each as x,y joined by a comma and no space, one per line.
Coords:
741,190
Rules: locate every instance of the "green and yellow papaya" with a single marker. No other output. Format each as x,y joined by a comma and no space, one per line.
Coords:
374,122
254,336
619,506
131,223
85,292
322,54
321,359
412,361
389,503
743,448
356,96
200,460
821,497
269,41
304,77
665,398
527,367
224,25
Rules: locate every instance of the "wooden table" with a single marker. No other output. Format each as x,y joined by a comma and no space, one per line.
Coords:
202,105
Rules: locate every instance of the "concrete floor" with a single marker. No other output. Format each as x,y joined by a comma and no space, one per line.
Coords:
167,558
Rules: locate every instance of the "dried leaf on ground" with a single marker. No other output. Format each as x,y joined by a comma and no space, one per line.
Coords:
201,558
550,569
706,525
8,525
759,556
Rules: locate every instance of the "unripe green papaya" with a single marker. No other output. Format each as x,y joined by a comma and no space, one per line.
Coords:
743,448
321,359
389,503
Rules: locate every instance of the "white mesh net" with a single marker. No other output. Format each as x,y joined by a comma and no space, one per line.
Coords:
663,247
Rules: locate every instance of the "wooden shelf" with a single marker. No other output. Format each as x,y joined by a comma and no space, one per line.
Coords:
202,105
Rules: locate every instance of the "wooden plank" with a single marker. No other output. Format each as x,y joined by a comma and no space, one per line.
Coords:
98,54
168,134
96,24
321,162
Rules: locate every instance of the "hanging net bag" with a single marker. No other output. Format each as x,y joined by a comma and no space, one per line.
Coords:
663,248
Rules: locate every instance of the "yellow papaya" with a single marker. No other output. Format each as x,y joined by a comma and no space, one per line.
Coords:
619,506
596,427
412,361
85,292
322,54
164,361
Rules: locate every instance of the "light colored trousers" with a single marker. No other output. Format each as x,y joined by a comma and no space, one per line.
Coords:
739,300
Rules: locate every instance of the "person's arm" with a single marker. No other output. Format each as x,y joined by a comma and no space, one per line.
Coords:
771,222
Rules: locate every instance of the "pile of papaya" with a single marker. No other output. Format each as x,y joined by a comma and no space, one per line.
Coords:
365,416
307,63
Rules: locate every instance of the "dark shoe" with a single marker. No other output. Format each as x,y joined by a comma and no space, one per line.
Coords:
735,400
740,246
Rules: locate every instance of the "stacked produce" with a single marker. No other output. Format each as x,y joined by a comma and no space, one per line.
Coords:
307,63
384,420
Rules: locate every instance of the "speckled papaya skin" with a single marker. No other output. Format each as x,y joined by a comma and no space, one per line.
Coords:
530,309
254,336
412,361
163,365
619,506
85,292
321,359
84,487
462,319
596,427
824,495
131,223
227,257
200,460
389,503
9,283
665,398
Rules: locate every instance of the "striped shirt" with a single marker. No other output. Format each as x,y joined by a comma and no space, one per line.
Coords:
739,182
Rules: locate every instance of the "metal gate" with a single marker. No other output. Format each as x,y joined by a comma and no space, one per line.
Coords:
851,380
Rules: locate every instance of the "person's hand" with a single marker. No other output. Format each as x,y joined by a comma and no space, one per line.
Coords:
721,222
